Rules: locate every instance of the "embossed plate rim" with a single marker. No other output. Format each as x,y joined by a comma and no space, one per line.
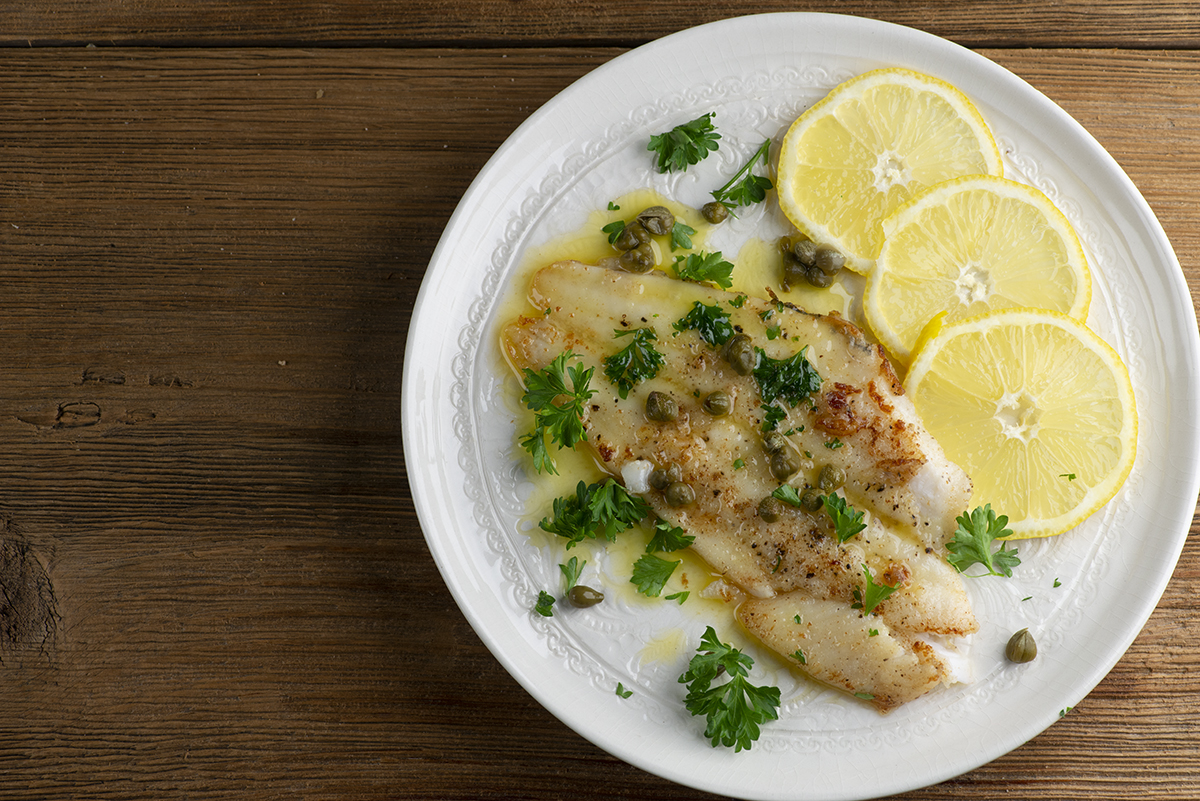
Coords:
437,419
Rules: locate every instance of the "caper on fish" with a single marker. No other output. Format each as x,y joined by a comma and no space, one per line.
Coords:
717,403
1021,647
679,494
811,500
831,478
739,352
663,477
770,508
783,464
773,442
658,220
638,260
661,407
714,212
582,597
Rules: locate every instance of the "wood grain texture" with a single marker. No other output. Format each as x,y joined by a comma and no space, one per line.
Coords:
209,260
409,23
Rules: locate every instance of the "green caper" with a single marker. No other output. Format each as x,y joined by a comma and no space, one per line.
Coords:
714,212
631,236
794,272
658,220
770,508
638,260
817,278
811,500
582,597
773,442
1021,647
663,477
783,464
739,352
831,477
805,251
661,407
829,260
717,403
679,494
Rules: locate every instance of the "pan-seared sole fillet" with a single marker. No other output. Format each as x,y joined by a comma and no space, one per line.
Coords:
858,421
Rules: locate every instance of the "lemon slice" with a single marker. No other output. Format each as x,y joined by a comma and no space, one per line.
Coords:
969,246
870,145
1036,408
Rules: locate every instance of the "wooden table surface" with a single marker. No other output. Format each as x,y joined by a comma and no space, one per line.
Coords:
214,220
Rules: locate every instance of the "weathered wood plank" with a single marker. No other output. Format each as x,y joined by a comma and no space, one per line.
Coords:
624,23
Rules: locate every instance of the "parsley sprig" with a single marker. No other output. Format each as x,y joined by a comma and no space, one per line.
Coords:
603,509
702,267
561,421
668,538
681,236
745,188
972,543
545,604
871,594
846,520
650,574
684,144
734,710
636,362
710,322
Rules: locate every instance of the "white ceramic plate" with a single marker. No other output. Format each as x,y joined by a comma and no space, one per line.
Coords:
586,147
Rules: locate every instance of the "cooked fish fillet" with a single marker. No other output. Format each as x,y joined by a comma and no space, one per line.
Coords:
859,421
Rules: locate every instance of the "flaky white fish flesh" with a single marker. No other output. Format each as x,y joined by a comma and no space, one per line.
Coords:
859,421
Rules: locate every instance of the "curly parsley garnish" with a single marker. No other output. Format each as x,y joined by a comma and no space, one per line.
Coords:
684,144
701,267
710,322
650,574
562,421
794,379
972,543
745,188
668,538
734,710
846,521
872,594
601,509
636,362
